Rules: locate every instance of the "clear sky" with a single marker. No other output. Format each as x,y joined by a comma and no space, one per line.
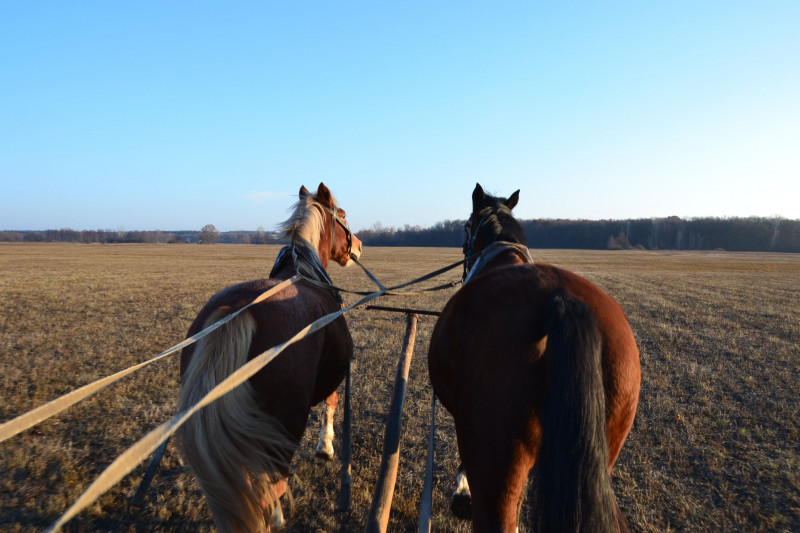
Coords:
172,115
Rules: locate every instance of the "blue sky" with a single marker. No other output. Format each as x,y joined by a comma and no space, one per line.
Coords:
173,115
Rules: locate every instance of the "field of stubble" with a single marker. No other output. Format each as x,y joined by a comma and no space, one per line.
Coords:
715,445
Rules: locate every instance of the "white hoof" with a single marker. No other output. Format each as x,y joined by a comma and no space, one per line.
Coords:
461,501
277,521
325,450
325,446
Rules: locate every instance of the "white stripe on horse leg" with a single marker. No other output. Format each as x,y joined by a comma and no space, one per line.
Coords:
277,520
462,487
461,501
325,446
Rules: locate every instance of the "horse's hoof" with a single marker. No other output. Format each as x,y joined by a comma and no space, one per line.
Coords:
461,506
325,452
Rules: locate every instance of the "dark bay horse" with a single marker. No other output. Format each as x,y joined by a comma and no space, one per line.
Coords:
240,446
539,369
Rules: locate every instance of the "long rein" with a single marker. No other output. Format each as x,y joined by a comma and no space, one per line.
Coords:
37,415
134,455
389,291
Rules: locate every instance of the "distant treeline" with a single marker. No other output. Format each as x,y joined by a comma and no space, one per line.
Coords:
120,236
754,234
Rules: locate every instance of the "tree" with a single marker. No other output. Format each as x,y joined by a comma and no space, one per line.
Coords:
209,234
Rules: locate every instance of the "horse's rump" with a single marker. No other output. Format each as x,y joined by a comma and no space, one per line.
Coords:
236,450
571,488
490,364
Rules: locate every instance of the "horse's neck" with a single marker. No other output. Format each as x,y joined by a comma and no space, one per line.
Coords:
323,251
322,248
315,238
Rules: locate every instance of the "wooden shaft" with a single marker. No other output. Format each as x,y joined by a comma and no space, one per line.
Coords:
384,489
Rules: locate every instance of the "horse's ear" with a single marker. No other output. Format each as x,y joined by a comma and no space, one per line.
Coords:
512,201
324,195
478,196
304,193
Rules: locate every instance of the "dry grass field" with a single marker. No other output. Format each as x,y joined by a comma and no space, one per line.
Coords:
715,446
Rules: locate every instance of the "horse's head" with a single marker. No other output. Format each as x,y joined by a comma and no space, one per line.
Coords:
491,220
335,240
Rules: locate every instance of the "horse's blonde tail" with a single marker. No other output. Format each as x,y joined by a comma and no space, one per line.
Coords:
236,451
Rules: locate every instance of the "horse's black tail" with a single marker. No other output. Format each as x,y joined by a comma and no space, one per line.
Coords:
571,489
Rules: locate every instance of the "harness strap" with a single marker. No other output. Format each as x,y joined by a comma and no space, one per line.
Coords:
134,455
53,407
392,291
307,265
491,252
333,231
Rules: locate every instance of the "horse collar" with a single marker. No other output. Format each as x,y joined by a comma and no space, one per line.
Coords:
493,250
307,264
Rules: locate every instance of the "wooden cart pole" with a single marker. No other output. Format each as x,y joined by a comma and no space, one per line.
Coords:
384,489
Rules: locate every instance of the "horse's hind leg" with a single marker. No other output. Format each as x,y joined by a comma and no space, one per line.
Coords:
461,501
325,446
277,520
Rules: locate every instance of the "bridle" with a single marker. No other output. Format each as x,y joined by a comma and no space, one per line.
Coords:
472,237
469,245
306,260
336,220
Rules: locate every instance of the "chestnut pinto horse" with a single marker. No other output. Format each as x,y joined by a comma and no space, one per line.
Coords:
240,446
539,369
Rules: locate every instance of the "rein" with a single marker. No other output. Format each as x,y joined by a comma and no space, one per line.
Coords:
26,421
392,291
52,408
134,455
308,267
326,283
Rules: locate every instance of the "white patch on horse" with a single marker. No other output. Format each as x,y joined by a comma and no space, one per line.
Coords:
462,486
325,446
276,520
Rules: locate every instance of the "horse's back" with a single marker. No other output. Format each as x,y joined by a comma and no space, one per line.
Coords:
304,373
508,305
493,329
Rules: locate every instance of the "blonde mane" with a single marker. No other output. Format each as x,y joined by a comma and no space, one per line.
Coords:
307,221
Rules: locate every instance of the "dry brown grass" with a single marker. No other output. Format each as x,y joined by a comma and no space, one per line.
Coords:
715,445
